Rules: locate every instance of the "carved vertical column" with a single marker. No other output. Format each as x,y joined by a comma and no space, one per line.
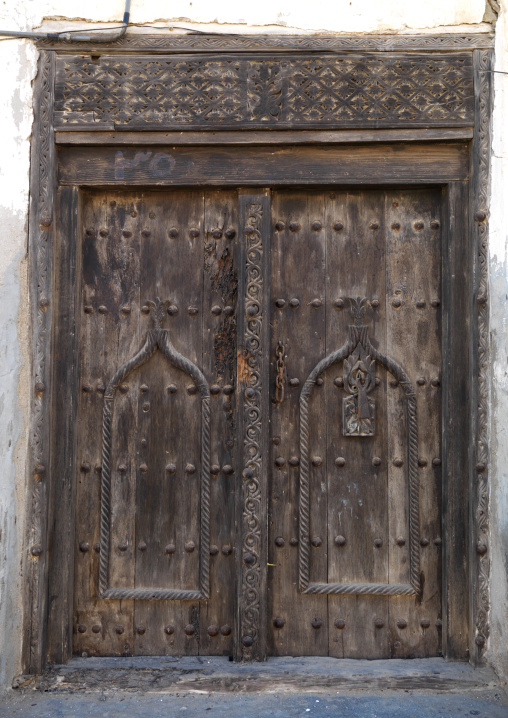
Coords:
40,242
253,369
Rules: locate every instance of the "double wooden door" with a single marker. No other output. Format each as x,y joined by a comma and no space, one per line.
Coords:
259,423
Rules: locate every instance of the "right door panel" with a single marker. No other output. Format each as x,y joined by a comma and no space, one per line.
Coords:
355,500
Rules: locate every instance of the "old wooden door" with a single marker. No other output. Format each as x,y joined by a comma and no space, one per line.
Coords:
349,401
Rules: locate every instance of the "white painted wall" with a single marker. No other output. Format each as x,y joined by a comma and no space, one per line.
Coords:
18,65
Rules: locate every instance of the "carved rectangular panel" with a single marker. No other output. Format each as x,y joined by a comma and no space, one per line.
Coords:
340,90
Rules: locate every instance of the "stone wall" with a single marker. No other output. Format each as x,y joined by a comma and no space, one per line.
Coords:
18,63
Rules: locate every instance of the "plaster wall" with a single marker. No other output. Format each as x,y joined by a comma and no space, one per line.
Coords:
18,63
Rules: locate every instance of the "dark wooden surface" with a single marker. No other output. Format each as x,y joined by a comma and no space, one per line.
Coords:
380,254
129,256
260,166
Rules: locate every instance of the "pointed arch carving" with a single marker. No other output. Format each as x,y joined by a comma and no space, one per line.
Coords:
358,342
157,339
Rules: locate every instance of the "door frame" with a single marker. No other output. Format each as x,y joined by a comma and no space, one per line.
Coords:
54,266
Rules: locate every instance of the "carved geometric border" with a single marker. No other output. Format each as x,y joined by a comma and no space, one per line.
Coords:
156,339
357,334
273,43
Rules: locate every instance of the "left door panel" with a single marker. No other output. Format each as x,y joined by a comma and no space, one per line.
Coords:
169,495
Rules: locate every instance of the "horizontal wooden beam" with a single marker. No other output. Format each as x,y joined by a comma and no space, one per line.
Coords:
264,166
90,136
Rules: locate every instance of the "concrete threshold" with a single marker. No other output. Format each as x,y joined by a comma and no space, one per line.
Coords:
288,675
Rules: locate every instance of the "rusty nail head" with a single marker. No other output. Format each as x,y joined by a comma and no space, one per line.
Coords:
192,389
424,542
339,382
436,462
419,225
229,311
230,233
250,393
169,630
294,461
40,387
216,310
317,226
123,546
316,303
172,389
193,311
40,469
171,469
375,303
253,309
280,462
280,303
376,461
247,641
214,550
396,226
480,216
119,630
339,304
379,623
170,548
88,309
480,466
141,546
480,641
435,383
319,381
81,628
217,234
400,540
422,462
374,225
248,473
249,559
227,470
84,546
425,623
340,461
397,462
190,469
434,224
294,302
294,226
396,303
123,388
145,309
143,468
228,389
141,630
378,542
225,630
294,382
189,546
340,540
338,226
189,629
317,461
227,550
98,469
143,388
97,547
420,303
173,232
279,622
481,549
437,541
87,388
280,226
421,381
215,389
279,541
103,309
317,623
212,630
276,440
401,624
122,469
96,628
435,303
193,233
215,469
316,541
172,310
339,623
293,542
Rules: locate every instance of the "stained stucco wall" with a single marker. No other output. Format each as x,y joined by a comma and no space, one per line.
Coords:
18,63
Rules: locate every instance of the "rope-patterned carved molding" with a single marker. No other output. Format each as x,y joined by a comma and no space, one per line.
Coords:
156,339
273,43
358,344
293,91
